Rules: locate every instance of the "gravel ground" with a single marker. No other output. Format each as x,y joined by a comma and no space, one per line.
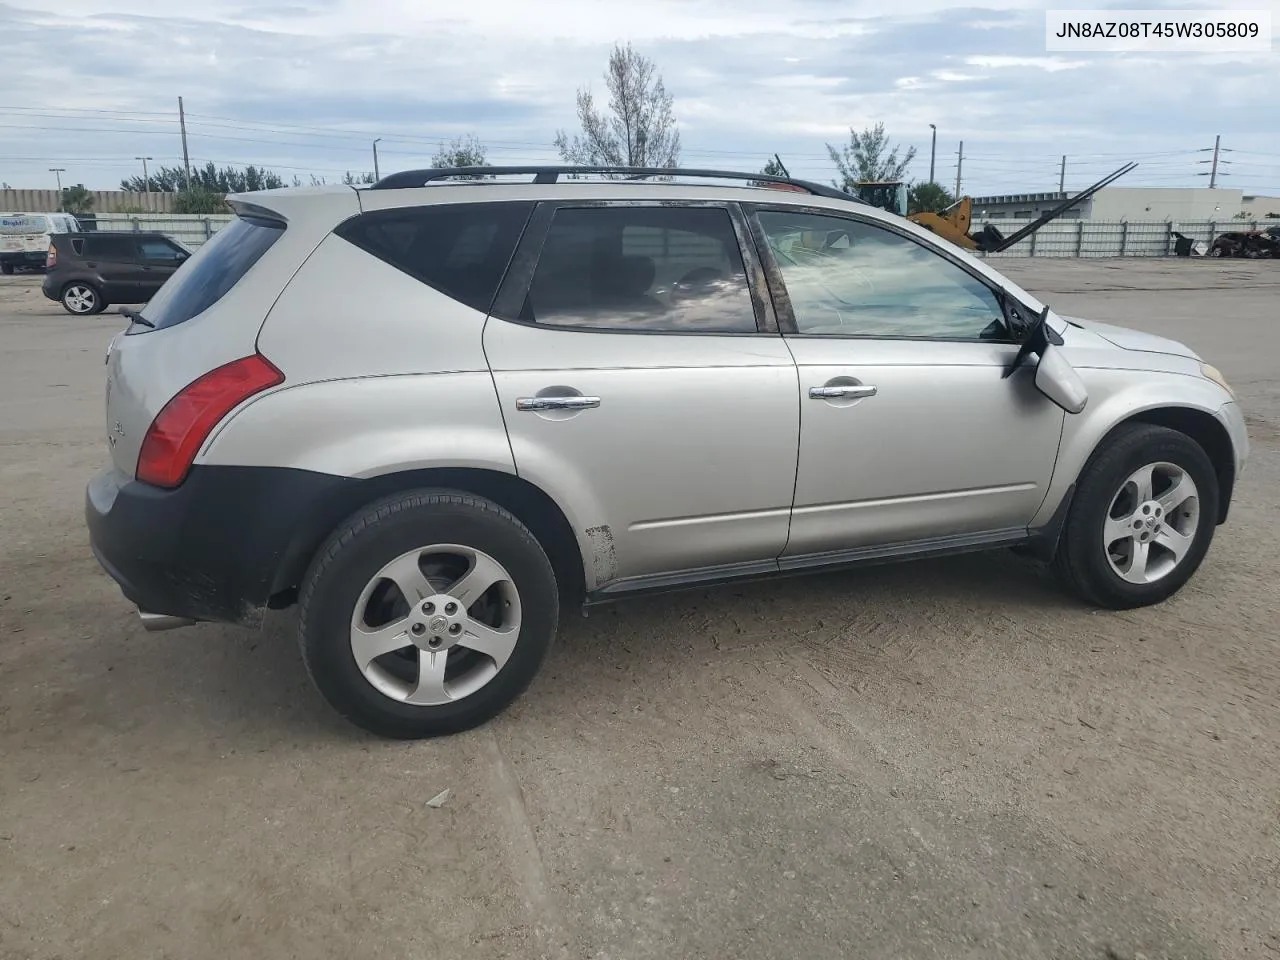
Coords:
942,759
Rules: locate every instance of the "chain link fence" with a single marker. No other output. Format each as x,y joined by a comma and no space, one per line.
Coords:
1061,238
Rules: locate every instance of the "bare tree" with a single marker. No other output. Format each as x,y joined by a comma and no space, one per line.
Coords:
639,129
465,151
864,158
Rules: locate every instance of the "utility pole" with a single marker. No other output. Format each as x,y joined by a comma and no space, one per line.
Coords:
1213,173
186,159
58,172
959,165
376,175
146,182
1062,176
933,151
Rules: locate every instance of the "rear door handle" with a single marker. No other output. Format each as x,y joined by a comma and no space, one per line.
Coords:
557,403
846,392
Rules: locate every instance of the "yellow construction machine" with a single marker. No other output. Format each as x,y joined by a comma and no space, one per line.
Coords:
953,222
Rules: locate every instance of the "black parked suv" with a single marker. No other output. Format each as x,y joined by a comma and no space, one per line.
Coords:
86,272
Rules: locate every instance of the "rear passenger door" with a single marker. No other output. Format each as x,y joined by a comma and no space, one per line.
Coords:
645,386
114,258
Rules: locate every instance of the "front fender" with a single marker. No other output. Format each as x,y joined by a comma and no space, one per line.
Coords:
1114,397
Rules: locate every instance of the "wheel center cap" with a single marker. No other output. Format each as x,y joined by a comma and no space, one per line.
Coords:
438,625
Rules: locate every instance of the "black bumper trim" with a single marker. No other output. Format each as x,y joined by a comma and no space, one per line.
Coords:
214,548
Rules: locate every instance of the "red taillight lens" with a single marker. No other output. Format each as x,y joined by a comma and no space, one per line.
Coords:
51,258
184,423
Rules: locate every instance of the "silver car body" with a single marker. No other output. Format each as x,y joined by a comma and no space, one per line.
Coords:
706,456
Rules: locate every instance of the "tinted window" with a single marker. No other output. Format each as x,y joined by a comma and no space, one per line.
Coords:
642,268
854,279
110,248
460,249
214,269
157,248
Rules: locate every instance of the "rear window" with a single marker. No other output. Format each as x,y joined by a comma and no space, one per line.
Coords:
216,267
460,249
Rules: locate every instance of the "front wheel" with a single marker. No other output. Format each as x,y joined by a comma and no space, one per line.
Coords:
427,614
1141,520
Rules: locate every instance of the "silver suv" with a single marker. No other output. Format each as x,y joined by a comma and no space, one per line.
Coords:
436,412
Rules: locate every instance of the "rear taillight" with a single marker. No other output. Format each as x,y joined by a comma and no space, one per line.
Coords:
51,258
175,436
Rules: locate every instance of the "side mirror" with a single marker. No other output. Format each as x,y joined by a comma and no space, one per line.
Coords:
1058,381
1055,377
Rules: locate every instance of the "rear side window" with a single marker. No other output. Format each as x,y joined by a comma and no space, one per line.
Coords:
642,269
460,249
216,267
110,248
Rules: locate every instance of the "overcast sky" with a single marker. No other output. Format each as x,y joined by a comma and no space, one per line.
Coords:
304,87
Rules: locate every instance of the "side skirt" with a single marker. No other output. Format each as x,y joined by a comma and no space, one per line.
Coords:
813,563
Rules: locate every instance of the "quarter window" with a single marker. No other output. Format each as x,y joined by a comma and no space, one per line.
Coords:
646,269
848,278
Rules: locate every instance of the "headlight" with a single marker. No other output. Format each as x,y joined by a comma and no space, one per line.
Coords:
1214,374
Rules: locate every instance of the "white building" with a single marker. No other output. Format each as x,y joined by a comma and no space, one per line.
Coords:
1132,203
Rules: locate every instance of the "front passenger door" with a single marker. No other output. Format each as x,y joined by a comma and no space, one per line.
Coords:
909,431
158,259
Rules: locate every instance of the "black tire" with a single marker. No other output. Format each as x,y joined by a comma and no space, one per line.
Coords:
99,301
1081,559
354,554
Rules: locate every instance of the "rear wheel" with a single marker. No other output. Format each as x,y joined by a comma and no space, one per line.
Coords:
82,298
6,269
427,613
1141,520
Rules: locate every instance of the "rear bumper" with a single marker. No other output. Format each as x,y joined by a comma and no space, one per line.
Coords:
216,547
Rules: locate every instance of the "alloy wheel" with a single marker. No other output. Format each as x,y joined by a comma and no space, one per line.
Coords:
1152,522
80,298
435,624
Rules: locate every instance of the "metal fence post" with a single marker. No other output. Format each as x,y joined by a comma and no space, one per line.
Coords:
1033,246
1124,235
207,232
1079,236
1168,237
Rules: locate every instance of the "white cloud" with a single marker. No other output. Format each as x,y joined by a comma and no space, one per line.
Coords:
1051,64
307,84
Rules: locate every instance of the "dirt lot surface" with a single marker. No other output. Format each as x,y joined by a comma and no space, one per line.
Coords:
943,759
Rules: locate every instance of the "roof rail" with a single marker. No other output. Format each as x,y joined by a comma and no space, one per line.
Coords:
551,174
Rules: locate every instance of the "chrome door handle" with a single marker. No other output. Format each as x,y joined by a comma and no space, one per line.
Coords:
556,403
852,391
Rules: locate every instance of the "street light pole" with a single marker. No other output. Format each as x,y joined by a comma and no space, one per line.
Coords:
376,175
58,172
146,181
933,151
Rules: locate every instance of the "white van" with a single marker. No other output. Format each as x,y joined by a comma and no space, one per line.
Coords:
24,237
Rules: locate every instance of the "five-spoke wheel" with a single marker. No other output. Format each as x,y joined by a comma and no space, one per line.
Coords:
1141,519
427,613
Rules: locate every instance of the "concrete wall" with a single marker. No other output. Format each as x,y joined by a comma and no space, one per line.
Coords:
1158,203
104,201
1131,203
